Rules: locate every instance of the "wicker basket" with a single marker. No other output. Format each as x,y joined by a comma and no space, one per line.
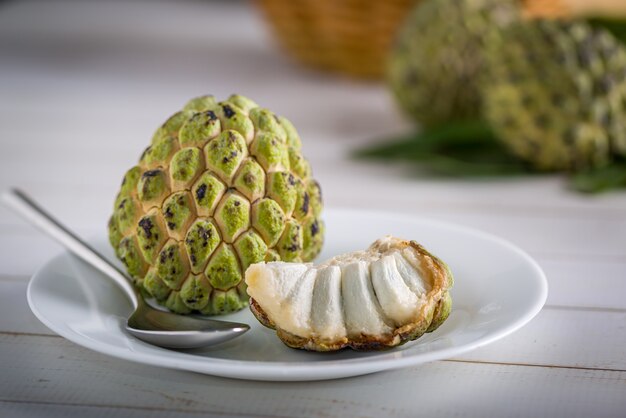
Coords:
346,36
572,8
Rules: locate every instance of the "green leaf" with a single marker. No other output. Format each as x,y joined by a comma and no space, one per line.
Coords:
616,26
602,179
467,148
462,134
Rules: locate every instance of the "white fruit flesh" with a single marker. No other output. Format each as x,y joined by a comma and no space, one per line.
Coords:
272,283
362,311
326,307
398,301
295,313
358,294
410,269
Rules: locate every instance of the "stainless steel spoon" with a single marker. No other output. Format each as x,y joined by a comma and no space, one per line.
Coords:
156,327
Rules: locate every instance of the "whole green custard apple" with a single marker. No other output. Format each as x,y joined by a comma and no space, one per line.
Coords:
556,94
438,57
222,185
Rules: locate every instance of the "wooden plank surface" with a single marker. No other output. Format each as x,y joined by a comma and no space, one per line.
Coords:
82,87
53,372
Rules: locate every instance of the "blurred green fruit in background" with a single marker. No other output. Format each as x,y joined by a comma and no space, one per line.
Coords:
555,94
439,56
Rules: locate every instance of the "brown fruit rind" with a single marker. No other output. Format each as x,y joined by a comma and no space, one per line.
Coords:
430,318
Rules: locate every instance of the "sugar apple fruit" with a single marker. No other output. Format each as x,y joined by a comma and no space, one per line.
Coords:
556,94
222,185
437,60
393,292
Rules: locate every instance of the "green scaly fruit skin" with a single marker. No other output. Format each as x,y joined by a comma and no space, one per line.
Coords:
223,185
438,57
555,94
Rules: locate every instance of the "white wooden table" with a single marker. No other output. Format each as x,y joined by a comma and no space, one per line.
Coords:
82,87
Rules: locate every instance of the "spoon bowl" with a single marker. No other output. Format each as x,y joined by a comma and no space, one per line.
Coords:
164,329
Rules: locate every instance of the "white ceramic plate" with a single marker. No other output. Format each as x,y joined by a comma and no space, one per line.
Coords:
498,288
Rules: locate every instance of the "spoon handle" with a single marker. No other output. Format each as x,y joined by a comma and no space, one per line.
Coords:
32,212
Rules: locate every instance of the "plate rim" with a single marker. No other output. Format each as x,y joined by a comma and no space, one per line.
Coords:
306,371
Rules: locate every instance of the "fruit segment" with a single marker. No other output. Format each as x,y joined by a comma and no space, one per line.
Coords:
326,308
272,283
295,310
409,268
396,299
362,310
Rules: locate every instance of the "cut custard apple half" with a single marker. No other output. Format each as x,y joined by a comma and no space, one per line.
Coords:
393,292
